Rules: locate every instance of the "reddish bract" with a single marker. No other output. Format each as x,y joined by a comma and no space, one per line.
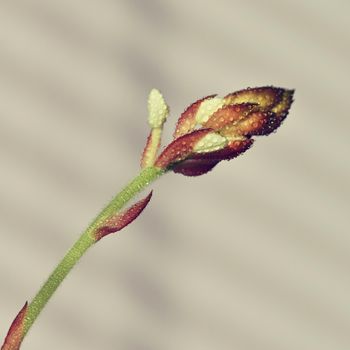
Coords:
15,334
118,221
180,149
187,121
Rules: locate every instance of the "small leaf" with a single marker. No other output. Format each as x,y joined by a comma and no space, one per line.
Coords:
118,221
256,123
151,148
180,148
228,115
194,167
201,163
187,121
265,97
15,334
232,150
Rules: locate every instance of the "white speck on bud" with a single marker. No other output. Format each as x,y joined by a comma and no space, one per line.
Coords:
157,109
210,143
207,108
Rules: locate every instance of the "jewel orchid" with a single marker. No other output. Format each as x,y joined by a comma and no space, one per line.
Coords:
210,130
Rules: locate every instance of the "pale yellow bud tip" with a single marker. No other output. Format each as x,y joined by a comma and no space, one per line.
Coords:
207,108
157,109
210,143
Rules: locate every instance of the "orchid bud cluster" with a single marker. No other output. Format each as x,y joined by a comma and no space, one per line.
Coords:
213,129
210,130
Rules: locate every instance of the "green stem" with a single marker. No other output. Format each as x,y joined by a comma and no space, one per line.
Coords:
85,241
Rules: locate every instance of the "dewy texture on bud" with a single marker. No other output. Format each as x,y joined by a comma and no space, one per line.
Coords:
213,129
157,109
209,143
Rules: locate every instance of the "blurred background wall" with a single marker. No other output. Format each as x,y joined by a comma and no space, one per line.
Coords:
252,256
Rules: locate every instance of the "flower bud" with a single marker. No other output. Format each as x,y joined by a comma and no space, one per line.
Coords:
214,129
157,114
157,109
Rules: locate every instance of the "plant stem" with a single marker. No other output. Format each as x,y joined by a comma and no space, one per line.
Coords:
85,241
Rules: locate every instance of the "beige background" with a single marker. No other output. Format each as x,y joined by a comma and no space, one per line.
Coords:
255,255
